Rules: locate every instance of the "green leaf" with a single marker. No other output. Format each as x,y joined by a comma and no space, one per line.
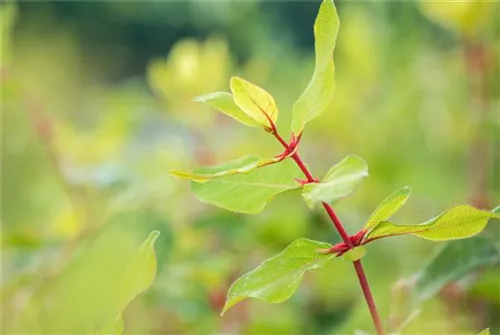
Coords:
339,182
355,253
90,295
257,103
141,270
452,262
248,192
455,223
388,207
241,165
224,102
115,328
496,210
485,332
319,91
276,279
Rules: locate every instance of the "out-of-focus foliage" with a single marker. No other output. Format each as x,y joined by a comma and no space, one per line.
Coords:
7,18
88,136
470,18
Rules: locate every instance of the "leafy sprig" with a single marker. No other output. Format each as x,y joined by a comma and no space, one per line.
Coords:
247,184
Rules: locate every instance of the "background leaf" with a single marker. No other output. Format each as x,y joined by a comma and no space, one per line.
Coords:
249,192
457,222
340,181
453,261
255,102
224,102
92,292
276,279
388,207
319,91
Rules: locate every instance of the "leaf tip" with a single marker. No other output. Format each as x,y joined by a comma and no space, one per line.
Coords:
152,237
199,98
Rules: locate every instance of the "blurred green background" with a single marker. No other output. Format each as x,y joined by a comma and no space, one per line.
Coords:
97,105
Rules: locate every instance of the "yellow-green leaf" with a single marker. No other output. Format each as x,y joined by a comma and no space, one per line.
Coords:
115,328
339,182
355,253
242,165
258,104
388,207
276,279
485,332
319,91
246,192
224,102
455,223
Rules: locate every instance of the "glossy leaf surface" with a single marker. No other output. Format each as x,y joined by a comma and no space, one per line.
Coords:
388,207
455,223
339,182
257,103
247,192
277,278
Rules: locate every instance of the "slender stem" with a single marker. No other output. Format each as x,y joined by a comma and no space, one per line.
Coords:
338,225
345,237
368,296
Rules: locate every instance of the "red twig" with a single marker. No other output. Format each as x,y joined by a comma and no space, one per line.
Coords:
340,228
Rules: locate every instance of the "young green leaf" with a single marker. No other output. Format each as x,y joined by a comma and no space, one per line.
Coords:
224,102
388,207
319,91
276,279
241,165
339,182
257,103
452,262
485,332
249,192
355,253
455,223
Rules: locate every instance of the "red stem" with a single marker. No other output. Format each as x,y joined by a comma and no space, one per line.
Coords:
345,237
368,296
